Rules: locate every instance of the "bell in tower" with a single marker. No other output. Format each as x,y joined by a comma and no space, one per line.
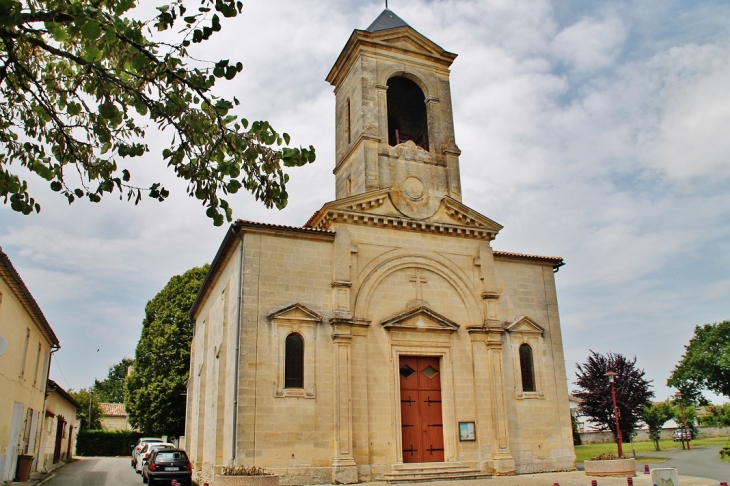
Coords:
394,118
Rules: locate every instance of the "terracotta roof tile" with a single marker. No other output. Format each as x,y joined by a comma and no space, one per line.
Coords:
555,260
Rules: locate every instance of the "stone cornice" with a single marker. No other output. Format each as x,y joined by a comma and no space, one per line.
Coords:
333,216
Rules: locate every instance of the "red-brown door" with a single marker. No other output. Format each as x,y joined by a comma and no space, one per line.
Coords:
420,405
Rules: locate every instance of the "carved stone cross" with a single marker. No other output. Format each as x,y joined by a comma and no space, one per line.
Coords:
418,278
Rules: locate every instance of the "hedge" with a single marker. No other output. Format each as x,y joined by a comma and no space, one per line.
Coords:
106,442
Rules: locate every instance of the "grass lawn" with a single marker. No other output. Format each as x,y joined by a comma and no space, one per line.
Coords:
584,452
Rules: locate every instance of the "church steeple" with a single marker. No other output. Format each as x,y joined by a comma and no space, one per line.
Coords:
394,120
386,20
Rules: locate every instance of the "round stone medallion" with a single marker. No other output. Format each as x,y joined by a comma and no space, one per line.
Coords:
413,188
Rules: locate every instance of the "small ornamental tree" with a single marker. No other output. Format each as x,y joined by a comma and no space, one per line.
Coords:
655,415
81,80
632,391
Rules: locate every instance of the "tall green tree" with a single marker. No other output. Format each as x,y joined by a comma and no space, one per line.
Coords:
155,389
111,389
83,397
655,415
80,81
705,364
632,391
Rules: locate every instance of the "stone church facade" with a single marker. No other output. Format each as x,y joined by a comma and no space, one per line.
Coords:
384,339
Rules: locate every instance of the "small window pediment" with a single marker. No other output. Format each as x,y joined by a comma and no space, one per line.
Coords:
296,312
524,324
420,319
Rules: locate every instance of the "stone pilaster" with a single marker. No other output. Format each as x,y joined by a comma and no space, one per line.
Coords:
491,400
344,469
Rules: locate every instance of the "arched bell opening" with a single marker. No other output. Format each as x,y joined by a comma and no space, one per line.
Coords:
407,118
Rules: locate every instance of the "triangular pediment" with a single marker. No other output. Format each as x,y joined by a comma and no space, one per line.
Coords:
420,319
454,212
374,202
409,40
404,40
524,324
296,312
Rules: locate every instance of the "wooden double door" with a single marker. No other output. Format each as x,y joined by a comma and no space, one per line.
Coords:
420,407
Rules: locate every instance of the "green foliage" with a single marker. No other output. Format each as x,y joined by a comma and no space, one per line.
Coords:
725,453
111,390
577,440
155,390
632,391
705,364
655,415
719,415
83,397
79,82
106,442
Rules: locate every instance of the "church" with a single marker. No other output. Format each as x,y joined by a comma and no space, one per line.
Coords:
385,339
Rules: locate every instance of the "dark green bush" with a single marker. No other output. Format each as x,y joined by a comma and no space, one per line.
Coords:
106,442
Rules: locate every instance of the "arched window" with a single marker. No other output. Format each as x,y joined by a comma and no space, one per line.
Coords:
294,361
527,369
407,119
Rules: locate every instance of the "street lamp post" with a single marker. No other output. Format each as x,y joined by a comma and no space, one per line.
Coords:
611,377
684,420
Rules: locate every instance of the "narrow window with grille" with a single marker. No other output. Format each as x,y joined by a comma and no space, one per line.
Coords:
527,369
294,361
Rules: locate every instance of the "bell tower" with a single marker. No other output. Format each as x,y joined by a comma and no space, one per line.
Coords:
394,119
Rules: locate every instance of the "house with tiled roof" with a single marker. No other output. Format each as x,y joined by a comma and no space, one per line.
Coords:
60,427
26,343
386,338
114,416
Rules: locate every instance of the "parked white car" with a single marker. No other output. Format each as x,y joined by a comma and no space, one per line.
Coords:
140,444
144,454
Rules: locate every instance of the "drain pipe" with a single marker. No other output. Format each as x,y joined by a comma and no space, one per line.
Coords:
237,357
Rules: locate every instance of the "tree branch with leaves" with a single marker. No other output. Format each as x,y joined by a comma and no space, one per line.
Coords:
78,80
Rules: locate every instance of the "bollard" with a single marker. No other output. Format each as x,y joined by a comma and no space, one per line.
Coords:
723,483
594,482
556,484
629,482
646,469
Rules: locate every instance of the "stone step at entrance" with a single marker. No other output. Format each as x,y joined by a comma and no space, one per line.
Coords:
432,471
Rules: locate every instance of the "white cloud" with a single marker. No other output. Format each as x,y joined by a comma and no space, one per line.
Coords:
592,43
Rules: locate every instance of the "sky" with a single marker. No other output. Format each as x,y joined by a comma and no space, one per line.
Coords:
595,131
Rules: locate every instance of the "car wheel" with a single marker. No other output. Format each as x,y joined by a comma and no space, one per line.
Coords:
151,481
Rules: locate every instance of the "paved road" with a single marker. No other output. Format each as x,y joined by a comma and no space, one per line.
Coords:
96,471
701,461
